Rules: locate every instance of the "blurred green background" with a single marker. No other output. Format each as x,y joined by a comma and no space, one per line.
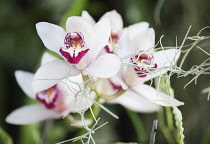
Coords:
21,49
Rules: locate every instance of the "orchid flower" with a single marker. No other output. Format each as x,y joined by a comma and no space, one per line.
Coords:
54,103
79,45
144,63
135,46
116,23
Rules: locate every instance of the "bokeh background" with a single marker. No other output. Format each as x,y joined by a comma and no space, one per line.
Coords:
21,49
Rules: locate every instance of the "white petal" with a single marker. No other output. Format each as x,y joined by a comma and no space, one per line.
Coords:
51,73
73,82
47,57
100,38
137,28
155,96
31,114
79,102
124,49
79,24
153,75
115,20
135,102
51,35
104,66
104,87
86,15
166,58
123,84
24,79
82,103
206,90
145,40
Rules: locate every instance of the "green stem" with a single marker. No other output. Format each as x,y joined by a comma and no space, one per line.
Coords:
206,137
169,117
5,138
165,130
138,126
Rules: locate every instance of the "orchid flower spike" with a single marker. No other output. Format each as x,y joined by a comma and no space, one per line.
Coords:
55,102
79,46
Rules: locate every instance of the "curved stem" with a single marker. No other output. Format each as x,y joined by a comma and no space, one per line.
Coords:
138,126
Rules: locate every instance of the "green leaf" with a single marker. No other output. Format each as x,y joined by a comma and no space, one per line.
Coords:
4,137
138,126
206,137
30,134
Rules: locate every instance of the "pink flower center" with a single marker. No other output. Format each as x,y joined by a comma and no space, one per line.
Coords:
143,63
113,41
53,98
75,47
49,97
115,86
74,40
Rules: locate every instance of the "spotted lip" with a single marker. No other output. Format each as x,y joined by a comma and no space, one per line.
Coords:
72,39
74,50
145,59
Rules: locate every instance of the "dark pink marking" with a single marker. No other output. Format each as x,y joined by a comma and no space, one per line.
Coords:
148,58
108,50
75,59
114,39
51,104
115,86
143,72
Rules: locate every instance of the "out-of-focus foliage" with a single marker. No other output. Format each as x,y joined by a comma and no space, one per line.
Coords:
4,137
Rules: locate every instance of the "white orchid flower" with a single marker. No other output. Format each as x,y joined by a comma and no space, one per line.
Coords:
143,64
55,102
79,45
116,23
138,41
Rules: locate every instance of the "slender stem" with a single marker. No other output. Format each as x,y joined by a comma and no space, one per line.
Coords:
45,134
169,117
164,129
153,132
188,51
206,138
138,126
